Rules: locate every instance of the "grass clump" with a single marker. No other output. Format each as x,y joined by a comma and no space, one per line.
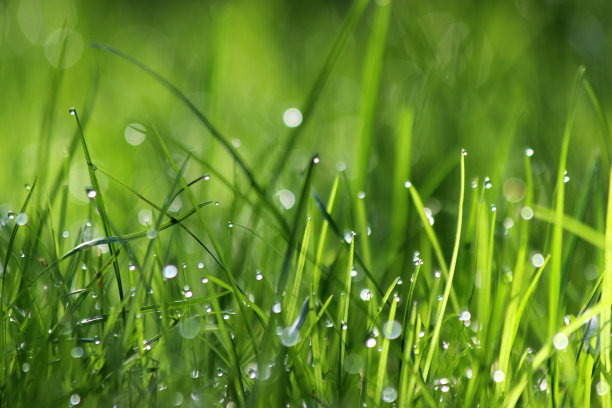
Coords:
267,274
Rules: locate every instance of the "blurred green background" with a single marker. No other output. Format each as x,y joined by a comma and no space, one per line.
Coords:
491,77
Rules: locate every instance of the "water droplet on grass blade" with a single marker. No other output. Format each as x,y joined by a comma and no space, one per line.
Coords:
72,111
77,352
526,213
498,376
276,308
75,399
135,134
292,117
189,328
537,260
371,342
289,337
151,233
365,294
22,219
560,341
602,388
389,394
287,199
353,363
528,152
392,329
170,271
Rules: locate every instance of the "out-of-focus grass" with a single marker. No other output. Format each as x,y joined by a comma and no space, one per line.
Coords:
341,253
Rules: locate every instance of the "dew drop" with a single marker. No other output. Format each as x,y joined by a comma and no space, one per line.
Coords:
77,352
565,177
487,183
361,195
537,260
276,308
353,363
529,152
75,399
498,376
189,328
389,394
526,213
25,367
465,316
602,388
289,337
151,233
201,265
230,224
365,294
134,134
560,341
407,184
22,219
27,187
170,271
65,234
392,329
258,275
292,117
371,342
287,199
72,111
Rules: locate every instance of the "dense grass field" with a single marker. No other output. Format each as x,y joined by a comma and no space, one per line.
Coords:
305,204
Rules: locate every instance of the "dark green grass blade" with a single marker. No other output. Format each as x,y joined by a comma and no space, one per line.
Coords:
99,201
350,22
605,127
334,226
159,209
202,118
120,239
557,237
299,218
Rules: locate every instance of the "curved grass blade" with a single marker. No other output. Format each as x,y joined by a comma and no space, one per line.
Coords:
334,226
431,235
202,118
451,273
572,225
299,216
350,22
557,237
99,201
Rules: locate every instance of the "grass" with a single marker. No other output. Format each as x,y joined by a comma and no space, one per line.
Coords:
412,260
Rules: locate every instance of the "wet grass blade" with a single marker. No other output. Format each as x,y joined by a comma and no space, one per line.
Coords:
557,237
202,118
299,218
350,22
433,239
370,88
606,303
99,201
451,273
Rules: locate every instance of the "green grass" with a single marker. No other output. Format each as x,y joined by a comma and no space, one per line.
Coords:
435,232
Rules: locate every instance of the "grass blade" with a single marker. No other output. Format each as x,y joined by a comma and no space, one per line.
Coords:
99,201
451,273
